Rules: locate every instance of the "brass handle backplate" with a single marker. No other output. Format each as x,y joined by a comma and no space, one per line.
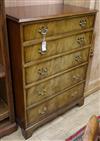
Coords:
83,23
81,41
42,92
91,52
43,72
43,30
76,77
78,58
43,111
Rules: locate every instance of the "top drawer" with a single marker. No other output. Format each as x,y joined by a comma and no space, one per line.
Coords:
32,31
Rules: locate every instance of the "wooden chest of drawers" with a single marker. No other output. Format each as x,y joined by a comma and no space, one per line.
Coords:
49,49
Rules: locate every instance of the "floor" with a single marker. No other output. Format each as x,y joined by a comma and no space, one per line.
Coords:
65,125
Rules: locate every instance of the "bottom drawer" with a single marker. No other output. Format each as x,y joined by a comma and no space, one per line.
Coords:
41,111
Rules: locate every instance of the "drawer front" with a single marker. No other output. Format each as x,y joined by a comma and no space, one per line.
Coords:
70,96
45,69
40,112
51,87
32,53
35,30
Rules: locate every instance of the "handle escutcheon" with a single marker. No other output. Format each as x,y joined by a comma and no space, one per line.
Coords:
43,30
91,52
83,23
81,41
43,72
42,111
78,58
76,78
42,92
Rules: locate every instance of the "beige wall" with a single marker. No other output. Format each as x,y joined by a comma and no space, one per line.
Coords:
94,78
95,73
84,3
10,3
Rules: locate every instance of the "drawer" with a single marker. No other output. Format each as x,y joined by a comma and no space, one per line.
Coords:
48,68
32,53
52,86
33,31
70,96
41,111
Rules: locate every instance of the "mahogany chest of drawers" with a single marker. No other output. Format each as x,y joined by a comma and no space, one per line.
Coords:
49,49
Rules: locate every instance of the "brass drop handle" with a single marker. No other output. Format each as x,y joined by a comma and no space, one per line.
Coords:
83,23
43,31
43,72
91,52
43,111
76,77
78,58
42,92
81,41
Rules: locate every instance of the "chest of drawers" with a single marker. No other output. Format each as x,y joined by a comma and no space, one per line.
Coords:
49,48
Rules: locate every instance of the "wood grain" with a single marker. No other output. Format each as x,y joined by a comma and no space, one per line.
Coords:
31,31
35,114
51,87
47,98
41,12
56,75
31,63
16,73
55,47
39,112
55,37
45,69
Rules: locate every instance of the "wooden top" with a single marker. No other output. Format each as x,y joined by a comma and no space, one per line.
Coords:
41,12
